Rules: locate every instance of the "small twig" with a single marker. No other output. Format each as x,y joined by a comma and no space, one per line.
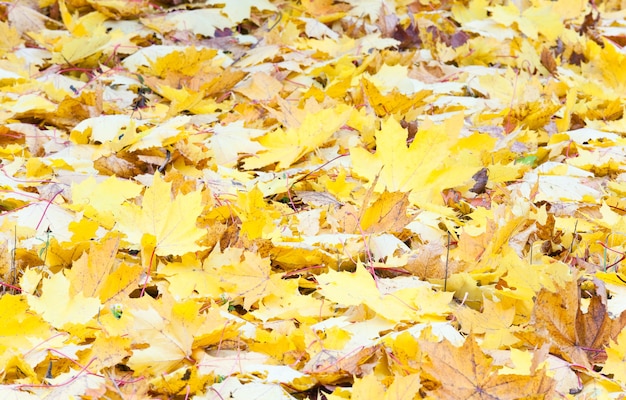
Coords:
445,278
168,157
606,247
571,245
317,169
15,288
289,194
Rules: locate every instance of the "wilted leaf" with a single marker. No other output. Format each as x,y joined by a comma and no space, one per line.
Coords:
466,372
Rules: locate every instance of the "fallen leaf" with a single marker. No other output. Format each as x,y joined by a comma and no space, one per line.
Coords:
386,214
466,372
56,306
171,221
577,336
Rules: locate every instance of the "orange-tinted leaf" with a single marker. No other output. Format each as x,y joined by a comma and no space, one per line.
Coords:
466,373
387,214
577,336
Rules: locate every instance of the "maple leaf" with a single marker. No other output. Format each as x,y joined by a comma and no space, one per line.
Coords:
387,214
97,273
370,8
256,215
172,330
243,274
332,366
231,140
462,167
286,303
494,322
466,373
352,289
98,201
59,308
189,277
90,271
577,336
394,102
287,147
171,222
425,167
19,328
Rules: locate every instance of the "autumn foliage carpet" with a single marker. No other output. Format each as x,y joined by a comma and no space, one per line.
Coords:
315,199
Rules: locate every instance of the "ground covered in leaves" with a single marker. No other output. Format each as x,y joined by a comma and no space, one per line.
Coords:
382,199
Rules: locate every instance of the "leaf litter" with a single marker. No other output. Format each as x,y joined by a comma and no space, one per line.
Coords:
278,199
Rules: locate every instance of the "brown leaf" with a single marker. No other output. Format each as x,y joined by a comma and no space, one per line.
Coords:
467,373
426,262
595,328
123,166
577,336
409,38
480,178
547,60
332,366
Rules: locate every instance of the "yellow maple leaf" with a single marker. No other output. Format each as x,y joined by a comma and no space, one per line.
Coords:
190,276
171,221
185,99
59,308
107,351
120,283
425,167
256,215
19,326
169,331
531,21
284,346
466,370
286,147
404,387
386,214
89,272
90,36
286,303
97,273
260,87
358,288
476,10
99,200
243,274
368,387
494,322
187,62
394,102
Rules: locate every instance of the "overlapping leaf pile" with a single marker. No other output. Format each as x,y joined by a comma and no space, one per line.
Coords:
277,199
